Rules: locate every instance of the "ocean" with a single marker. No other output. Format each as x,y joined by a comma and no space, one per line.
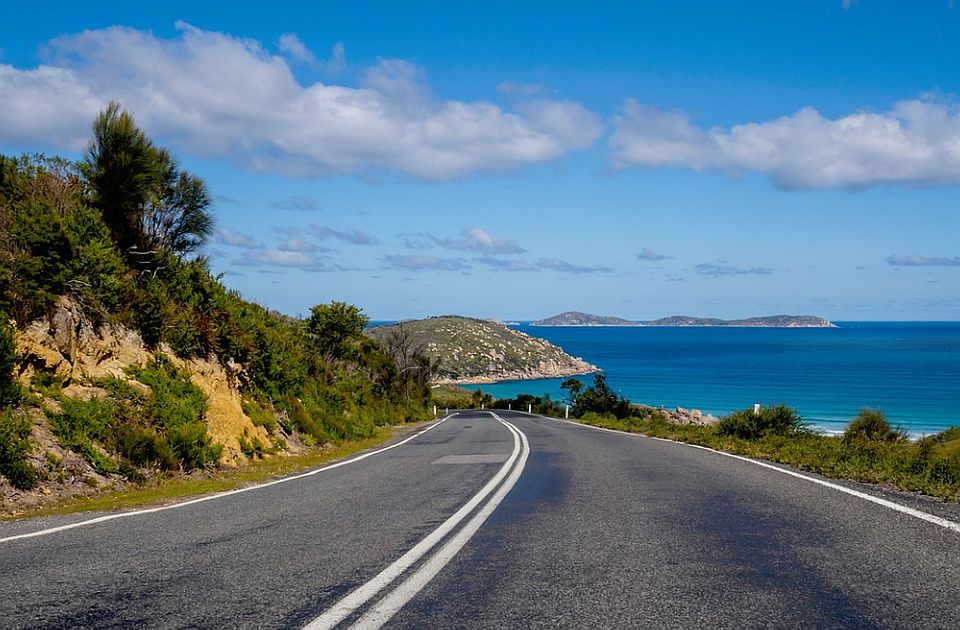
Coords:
911,370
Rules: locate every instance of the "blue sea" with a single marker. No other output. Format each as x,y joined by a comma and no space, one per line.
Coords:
911,370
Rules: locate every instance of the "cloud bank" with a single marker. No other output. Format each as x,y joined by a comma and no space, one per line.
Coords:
916,142
214,94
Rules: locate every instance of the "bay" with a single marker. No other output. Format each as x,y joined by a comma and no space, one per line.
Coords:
911,370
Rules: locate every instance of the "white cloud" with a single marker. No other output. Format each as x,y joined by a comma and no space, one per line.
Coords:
353,237
916,142
279,258
895,260
477,240
294,47
236,239
210,93
649,254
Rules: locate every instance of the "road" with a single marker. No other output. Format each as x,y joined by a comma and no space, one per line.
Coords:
487,523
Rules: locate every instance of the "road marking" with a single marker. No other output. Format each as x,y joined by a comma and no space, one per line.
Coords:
920,514
349,604
387,607
220,495
479,458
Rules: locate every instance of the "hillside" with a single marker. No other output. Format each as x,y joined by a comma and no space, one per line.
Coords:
576,318
124,360
467,350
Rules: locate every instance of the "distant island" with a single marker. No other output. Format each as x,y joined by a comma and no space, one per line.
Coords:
576,318
468,350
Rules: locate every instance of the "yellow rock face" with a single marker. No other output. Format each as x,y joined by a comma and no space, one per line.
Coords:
70,346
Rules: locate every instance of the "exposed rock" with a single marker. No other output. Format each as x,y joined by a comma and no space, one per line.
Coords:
69,345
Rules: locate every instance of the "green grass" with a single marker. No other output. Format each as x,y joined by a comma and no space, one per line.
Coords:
930,466
170,490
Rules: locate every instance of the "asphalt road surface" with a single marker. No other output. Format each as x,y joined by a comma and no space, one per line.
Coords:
512,521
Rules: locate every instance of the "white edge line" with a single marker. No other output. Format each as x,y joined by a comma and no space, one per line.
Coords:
220,495
923,516
387,607
349,604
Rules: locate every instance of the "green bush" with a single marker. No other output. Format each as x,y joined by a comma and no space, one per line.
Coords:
871,424
193,447
80,423
174,400
14,448
9,388
775,420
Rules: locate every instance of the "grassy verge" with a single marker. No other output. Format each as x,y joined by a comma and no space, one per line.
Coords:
930,466
171,490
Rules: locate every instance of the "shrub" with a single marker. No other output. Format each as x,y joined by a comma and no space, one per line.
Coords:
174,400
872,425
775,420
82,421
193,447
14,448
9,389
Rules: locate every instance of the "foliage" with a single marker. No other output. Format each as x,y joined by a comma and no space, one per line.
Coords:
747,424
597,398
871,424
147,202
9,388
931,465
332,326
115,234
14,448
173,399
543,405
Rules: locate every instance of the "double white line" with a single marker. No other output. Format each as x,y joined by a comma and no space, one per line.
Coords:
388,605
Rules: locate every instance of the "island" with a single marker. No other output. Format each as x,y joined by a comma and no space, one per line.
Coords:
576,318
468,350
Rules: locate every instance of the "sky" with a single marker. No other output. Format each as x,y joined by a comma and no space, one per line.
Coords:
517,160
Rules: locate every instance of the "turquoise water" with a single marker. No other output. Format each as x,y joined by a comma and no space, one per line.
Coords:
911,370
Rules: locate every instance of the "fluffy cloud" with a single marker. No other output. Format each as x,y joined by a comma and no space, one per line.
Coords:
895,260
210,93
916,142
649,254
229,237
715,270
477,240
290,44
281,258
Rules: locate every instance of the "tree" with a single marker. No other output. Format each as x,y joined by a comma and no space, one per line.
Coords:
147,201
332,326
122,169
176,218
573,386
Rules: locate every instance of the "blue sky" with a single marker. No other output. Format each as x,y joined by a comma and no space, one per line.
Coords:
517,160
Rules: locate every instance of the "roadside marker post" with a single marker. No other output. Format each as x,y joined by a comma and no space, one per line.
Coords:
434,411
566,412
529,408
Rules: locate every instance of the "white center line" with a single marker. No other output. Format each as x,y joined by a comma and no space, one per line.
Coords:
352,602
